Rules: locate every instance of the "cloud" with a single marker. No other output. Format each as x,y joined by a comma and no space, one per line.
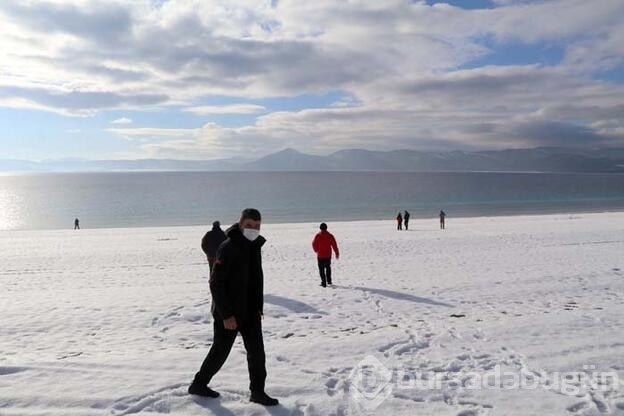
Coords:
107,23
554,20
226,109
123,120
245,49
152,132
398,62
549,133
492,108
599,53
76,102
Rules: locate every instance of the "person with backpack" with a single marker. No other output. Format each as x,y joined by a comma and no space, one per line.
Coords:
211,242
399,219
323,244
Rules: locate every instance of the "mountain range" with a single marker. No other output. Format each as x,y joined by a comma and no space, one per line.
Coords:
542,159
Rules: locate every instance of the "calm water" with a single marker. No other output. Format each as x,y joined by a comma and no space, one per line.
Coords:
52,201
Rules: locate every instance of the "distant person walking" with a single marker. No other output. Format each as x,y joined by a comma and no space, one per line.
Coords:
236,284
406,218
399,219
211,242
76,224
442,218
323,244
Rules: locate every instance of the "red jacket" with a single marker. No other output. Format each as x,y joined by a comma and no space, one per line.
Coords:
323,243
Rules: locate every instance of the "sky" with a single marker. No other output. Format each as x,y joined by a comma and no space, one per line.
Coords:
212,79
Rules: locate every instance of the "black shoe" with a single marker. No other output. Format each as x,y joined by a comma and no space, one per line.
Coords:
262,398
201,390
323,284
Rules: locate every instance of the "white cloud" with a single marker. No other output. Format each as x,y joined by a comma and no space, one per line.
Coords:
555,20
123,120
151,132
396,61
226,109
347,102
491,107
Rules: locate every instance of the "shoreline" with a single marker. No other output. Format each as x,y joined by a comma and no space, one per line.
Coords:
414,219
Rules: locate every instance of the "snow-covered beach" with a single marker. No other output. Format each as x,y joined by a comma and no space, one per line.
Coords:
117,321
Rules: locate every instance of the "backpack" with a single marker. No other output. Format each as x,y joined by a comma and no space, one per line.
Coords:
204,243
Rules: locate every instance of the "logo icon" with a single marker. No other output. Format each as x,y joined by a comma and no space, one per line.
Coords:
370,383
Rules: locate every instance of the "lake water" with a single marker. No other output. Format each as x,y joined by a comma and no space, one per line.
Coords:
52,201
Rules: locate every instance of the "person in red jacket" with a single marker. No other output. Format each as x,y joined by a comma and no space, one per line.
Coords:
323,244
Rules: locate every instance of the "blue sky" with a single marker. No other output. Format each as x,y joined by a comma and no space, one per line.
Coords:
214,79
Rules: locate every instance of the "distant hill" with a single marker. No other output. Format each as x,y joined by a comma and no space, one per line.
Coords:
522,160
543,159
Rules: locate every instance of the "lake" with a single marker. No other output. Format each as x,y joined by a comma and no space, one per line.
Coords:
109,200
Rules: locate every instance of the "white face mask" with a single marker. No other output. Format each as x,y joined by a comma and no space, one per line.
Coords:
250,233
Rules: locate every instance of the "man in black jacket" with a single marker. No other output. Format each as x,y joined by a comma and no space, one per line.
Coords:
236,284
211,242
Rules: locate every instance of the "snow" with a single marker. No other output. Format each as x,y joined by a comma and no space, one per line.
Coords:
117,321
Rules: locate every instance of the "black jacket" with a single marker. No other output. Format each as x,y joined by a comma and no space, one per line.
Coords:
212,240
237,280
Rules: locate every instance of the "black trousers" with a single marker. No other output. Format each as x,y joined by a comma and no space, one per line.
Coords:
251,332
324,266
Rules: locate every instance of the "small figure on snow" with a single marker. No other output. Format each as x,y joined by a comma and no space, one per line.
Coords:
211,242
323,243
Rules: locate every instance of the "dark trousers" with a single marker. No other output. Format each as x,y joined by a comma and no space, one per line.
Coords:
442,225
399,225
406,222
324,266
251,332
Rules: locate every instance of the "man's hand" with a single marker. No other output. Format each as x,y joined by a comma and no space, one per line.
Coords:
230,323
